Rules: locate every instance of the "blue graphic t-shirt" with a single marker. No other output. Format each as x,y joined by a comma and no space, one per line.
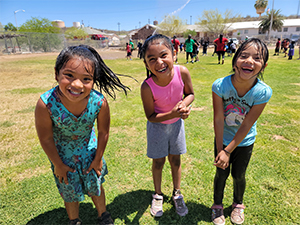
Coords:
236,108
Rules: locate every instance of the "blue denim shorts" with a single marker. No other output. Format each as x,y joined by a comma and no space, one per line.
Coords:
165,139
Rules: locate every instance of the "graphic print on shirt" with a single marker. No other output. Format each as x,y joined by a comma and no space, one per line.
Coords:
234,115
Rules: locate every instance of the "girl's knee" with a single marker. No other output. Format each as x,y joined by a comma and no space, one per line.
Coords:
158,163
238,176
175,160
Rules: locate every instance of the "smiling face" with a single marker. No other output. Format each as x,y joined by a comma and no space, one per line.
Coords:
249,63
159,59
75,79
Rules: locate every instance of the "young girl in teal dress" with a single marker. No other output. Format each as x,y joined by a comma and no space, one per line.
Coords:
65,117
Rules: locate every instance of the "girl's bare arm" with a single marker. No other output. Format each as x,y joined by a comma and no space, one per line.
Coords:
188,87
248,122
103,125
218,120
43,124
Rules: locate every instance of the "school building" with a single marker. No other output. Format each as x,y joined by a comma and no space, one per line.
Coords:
290,28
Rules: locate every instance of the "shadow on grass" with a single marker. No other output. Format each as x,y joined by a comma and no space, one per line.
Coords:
124,206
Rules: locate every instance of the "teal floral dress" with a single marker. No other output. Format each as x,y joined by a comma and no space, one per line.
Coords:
76,144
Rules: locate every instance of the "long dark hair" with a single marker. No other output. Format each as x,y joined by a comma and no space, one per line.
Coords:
261,48
104,78
150,40
221,38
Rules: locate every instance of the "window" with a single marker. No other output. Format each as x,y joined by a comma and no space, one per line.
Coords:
297,28
240,31
280,30
285,29
245,31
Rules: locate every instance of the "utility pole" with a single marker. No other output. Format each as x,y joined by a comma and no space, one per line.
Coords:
298,9
271,22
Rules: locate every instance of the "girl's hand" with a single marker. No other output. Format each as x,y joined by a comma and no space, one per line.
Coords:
183,110
222,160
97,166
61,172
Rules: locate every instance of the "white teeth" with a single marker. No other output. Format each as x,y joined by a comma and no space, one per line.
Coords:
75,93
162,70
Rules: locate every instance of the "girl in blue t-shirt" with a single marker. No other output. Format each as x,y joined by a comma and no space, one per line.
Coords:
65,118
238,101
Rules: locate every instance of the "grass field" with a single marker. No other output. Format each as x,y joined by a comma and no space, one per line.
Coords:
28,194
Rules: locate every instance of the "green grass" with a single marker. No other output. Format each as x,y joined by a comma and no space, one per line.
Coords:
27,190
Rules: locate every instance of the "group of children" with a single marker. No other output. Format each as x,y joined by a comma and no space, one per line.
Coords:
66,115
287,47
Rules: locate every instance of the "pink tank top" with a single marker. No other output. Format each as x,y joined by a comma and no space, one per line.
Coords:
165,98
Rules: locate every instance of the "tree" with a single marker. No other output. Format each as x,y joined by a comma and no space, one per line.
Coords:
260,6
191,32
264,25
41,34
75,32
171,25
214,22
42,25
10,27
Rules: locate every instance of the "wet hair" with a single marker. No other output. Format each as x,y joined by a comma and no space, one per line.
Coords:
262,49
104,78
157,38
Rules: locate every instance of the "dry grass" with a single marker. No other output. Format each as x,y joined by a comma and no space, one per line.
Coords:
22,82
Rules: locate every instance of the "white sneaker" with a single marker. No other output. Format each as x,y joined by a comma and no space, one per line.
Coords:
180,206
217,215
157,205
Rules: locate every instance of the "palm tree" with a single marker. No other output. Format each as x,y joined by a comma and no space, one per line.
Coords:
277,23
260,6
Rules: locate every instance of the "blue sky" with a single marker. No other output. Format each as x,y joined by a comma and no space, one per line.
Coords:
130,14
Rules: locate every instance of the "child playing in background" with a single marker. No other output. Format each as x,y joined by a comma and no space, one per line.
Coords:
220,44
165,108
175,43
188,47
65,117
277,47
291,50
128,50
238,101
286,44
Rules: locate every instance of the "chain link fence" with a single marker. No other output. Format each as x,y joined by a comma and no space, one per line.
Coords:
25,42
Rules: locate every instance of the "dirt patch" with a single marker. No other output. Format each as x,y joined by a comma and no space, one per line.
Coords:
279,137
198,109
105,54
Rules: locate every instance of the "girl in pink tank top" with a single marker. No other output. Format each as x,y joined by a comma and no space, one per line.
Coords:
166,94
